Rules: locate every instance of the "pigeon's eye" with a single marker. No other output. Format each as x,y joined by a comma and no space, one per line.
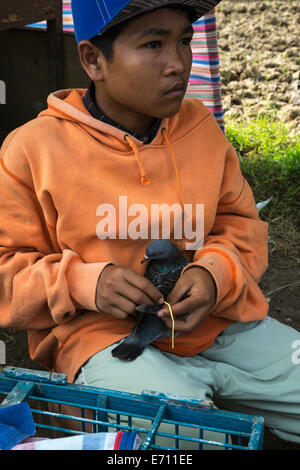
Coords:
157,253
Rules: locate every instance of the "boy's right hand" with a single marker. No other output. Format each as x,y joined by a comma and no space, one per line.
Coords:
120,290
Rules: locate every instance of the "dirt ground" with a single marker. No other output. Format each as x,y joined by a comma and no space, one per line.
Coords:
259,59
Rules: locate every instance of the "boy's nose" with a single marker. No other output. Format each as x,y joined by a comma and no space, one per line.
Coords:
177,63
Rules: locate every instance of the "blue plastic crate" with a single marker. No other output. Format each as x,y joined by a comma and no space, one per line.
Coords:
162,421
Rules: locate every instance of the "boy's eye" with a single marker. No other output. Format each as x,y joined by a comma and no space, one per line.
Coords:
186,41
153,45
158,44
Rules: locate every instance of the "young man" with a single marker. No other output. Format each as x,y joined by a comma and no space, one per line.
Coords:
81,186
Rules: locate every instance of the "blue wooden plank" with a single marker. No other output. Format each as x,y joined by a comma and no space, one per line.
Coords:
151,434
18,394
101,414
178,400
256,438
81,420
35,375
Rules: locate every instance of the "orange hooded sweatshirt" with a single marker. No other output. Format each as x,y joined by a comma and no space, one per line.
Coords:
64,172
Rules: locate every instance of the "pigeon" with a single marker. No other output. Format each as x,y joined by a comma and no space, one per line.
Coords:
166,263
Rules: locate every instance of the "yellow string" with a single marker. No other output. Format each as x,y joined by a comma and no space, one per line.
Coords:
173,323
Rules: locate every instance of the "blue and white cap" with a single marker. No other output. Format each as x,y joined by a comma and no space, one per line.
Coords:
94,17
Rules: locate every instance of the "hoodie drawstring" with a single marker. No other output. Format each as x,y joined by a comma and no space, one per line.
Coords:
164,133
144,179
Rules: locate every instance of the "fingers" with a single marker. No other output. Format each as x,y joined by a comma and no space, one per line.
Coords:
186,313
191,300
186,323
180,305
116,312
144,286
120,290
130,297
179,292
184,307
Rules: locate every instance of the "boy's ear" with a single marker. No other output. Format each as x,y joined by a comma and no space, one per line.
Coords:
91,60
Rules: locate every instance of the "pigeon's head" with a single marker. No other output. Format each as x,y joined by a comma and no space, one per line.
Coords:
160,250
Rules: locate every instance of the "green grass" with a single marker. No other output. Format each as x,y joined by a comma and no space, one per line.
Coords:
270,161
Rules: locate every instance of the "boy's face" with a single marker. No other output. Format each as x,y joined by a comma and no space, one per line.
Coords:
150,68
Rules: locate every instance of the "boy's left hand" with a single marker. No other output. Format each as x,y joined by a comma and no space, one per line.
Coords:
199,289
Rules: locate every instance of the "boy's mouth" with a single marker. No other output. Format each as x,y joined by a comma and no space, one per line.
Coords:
177,89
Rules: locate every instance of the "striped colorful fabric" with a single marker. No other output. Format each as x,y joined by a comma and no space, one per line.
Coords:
68,25
97,441
67,16
205,81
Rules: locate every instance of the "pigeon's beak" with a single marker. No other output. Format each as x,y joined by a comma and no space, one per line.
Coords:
146,258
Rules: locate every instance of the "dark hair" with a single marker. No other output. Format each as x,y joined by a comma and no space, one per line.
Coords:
105,41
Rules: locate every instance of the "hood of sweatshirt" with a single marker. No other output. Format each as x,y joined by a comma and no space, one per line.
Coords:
68,105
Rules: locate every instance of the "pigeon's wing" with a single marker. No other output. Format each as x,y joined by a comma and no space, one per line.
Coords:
149,327
150,309
167,280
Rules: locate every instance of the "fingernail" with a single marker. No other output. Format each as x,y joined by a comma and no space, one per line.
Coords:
161,300
160,313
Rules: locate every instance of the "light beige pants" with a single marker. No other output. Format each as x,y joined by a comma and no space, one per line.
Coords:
251,368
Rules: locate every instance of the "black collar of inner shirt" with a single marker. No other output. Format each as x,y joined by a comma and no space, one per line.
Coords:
90,104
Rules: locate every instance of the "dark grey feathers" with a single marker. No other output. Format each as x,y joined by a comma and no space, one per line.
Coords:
165,264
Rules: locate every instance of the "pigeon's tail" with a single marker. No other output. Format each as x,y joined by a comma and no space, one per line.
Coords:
128,350
148,328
